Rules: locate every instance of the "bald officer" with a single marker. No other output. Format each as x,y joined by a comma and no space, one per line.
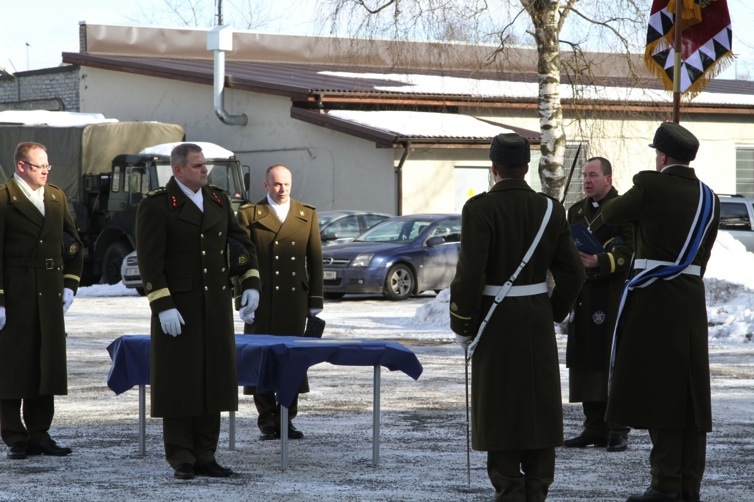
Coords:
285,232
660,379
515,392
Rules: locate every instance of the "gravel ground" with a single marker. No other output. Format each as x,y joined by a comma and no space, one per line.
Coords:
423,442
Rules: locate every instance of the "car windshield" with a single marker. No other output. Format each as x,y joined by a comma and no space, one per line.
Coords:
394,230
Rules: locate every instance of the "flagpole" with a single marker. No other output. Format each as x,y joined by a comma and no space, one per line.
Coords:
677,66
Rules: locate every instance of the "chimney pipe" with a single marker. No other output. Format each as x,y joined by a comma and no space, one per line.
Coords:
219,40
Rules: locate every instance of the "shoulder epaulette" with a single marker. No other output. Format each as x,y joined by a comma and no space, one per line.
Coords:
54,186
156,191
477,196
215,188
309,206
247,205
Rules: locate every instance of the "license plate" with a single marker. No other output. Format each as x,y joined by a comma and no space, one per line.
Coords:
330,275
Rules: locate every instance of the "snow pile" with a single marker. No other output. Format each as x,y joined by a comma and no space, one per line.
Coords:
729,282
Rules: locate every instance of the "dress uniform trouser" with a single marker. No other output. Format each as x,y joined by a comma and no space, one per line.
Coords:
594,420
678,456
269,410
191,440
37,415
505,470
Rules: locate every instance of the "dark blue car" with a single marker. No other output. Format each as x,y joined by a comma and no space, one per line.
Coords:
398,258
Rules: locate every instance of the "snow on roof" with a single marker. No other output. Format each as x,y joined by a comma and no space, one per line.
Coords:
210,150
52,119
423,124
439,84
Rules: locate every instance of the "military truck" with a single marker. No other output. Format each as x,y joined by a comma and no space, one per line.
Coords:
96,161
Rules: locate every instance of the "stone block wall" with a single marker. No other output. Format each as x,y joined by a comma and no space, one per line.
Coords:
54,89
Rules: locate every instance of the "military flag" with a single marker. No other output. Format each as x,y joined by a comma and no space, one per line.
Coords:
706,41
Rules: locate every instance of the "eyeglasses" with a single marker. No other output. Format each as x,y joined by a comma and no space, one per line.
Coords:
48,167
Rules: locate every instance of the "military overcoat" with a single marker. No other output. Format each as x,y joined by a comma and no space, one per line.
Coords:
183,263
32,344
290,263
515,389
590,330
662,358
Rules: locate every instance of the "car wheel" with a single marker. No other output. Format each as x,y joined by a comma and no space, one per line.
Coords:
334,296
399,283
112,261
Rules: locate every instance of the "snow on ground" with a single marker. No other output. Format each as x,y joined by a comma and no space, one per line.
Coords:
422,453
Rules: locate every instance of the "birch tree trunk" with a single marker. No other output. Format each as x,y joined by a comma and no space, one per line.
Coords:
546,20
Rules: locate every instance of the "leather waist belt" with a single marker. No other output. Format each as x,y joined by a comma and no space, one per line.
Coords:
46,263
527,290
645,264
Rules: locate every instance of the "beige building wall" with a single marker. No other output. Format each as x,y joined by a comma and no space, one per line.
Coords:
330,170
625,144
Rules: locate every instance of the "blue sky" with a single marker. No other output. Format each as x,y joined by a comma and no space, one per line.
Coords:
50,27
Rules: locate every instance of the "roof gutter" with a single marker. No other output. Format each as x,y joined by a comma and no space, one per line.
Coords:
219,40
399,177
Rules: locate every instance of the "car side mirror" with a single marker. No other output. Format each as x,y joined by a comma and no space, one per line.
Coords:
435,241
329,236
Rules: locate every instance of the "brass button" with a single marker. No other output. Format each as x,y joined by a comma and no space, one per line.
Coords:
276,288
204,253
205,270
293,258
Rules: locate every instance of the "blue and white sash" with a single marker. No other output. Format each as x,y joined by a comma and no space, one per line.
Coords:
705,212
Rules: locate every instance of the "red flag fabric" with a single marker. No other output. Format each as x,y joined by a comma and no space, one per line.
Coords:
706,47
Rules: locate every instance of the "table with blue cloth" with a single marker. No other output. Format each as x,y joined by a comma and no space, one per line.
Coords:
273,364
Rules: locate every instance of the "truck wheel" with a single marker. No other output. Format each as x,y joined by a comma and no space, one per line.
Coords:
112,261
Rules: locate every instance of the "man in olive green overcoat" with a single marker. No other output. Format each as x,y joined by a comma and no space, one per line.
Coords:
660,379
517,414
182,233
590,330
40,267
285,233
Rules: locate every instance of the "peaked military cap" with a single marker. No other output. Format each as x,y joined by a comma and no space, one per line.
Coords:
675,141
510,149
238,258
70,247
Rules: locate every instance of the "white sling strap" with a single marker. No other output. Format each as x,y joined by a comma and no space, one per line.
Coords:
505,288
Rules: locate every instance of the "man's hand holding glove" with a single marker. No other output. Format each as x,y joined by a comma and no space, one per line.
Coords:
67,299
249,303
171,321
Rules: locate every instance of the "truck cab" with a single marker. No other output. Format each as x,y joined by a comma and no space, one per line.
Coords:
133,176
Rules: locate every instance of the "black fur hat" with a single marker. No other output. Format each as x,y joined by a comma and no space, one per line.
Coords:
510,149
675,141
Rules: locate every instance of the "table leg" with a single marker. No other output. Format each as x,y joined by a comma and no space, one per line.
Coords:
142,419
376,418
232,430
283,437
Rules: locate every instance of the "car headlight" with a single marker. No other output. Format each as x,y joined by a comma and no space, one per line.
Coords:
362,260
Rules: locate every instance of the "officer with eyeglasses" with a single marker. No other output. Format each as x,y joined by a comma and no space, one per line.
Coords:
40,269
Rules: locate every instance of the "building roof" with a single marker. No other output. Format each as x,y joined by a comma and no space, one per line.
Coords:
352,89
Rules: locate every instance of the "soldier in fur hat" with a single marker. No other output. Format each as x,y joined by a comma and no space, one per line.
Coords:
516,358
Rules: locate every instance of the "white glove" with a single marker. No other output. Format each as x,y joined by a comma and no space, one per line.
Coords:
313,312
463,341
67,299
249,303
248,319
2,317
171,321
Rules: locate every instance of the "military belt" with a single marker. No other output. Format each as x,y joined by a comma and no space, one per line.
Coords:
45,263
644,263
526,290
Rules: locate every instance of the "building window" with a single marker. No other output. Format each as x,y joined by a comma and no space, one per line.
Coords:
745,171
